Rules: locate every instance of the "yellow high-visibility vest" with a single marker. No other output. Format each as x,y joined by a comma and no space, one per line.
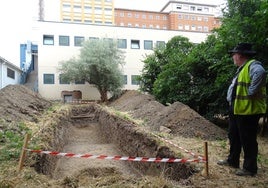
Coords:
245,104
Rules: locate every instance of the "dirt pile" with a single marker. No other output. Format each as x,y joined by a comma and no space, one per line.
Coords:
179,118
19,103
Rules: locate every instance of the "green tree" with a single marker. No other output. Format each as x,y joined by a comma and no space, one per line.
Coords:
153,64
99,63
246,21
168,86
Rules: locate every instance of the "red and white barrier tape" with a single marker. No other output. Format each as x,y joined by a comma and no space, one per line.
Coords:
185,150
122,158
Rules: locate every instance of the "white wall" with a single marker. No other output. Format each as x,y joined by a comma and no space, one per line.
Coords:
49,56
4,79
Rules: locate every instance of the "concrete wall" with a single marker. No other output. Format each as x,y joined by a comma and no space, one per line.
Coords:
49,56
4,79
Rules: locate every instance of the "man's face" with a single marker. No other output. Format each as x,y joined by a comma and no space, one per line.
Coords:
236,59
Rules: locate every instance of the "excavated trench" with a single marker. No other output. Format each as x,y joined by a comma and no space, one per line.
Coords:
92,129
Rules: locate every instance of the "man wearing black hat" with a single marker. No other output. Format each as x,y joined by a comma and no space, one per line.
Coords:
247,100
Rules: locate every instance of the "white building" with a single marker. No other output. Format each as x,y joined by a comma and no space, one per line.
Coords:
9,73
59,41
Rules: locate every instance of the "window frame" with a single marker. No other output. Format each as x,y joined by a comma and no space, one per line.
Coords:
10,73
135,44
78,40
148,44
64,37
134,80
122,43
48,40
62,82
46,81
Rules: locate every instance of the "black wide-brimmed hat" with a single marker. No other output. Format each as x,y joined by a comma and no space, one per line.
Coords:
243,48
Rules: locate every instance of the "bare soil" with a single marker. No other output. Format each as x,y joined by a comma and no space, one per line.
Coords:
177,123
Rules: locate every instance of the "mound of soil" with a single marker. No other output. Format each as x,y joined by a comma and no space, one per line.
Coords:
179,118
20,103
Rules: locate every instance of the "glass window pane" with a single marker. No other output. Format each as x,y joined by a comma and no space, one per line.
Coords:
79,82
64,41
10,73
62,81
48,40
135,44
78,41
48,78
148,45
134,80
122,43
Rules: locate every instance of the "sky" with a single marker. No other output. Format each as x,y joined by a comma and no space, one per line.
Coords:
17,21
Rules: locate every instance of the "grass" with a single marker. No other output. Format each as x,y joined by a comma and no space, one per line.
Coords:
12,136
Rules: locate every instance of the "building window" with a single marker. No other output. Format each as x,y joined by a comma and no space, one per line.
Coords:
64,41
143,16
205,29
78,41
66,8
79,82
148,45
205,19
160,44
135,44
178,6
122,43
48,39
199,18
77,8
151,17
137,15
125,79
187,27
185,7
192,8
121,14
134,80
129,15
10,73
87,10
62,81
164,17
93,38
180,27
199,28
143,25
199,9
137,25
48,78
193,28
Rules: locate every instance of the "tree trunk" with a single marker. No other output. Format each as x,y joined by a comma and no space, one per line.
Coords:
104,95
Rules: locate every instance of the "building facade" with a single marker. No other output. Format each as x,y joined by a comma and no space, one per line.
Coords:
9,73
87,11
180,15
175,15
58,41
60,37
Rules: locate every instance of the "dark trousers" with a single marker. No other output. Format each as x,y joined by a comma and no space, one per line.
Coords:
243,135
